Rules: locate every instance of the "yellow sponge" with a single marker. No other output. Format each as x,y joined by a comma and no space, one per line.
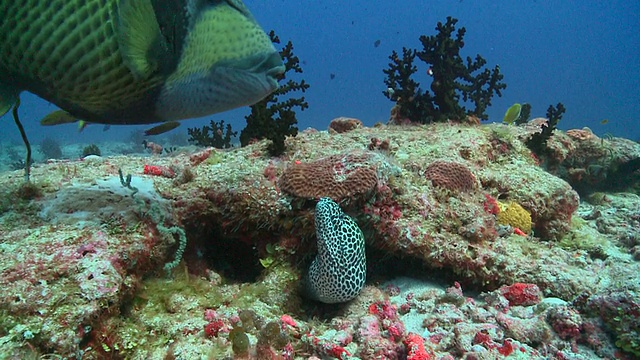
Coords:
512,213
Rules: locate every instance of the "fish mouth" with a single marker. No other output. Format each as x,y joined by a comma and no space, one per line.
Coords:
268,67
226,85
272,66
266,63
276,72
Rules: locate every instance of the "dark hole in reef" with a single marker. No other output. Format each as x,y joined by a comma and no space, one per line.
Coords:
208,248
233,259
383,266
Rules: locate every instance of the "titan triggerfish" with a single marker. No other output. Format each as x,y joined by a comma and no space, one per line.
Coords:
134,61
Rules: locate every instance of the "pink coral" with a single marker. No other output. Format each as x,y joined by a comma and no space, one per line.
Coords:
337,177
288,320
581,134
415,347
491,205
200,156
213,328
153,147
326,347
377,144
566,322
520,294
450,175
158,170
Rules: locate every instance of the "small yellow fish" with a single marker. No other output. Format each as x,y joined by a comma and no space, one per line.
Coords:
604,121
512,114
58,117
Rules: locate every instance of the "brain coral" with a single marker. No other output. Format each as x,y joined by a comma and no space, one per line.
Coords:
513,214
450,175
336,177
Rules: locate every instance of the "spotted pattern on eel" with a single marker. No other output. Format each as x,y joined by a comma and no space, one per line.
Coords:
338,272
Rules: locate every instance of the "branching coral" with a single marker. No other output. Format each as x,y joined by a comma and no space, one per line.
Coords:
525,113
412,103
538,142
453,79
215,134
271,118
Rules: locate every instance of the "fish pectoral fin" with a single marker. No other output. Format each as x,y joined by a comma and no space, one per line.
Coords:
8,98
139,36
58,117
162,128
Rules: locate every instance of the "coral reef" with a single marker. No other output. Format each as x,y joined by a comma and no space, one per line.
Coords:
91,149
338,177
85,252
215,135
514,215
620,311
592,164
273,118
450,175
454,81
77,276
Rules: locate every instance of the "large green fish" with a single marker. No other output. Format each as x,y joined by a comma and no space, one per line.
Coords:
134,61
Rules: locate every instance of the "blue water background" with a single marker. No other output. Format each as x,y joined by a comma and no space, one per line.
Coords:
584,54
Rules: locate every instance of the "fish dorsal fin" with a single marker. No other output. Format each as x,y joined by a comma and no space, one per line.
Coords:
139,36
58,117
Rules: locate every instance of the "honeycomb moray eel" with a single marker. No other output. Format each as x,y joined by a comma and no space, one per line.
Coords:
338,272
